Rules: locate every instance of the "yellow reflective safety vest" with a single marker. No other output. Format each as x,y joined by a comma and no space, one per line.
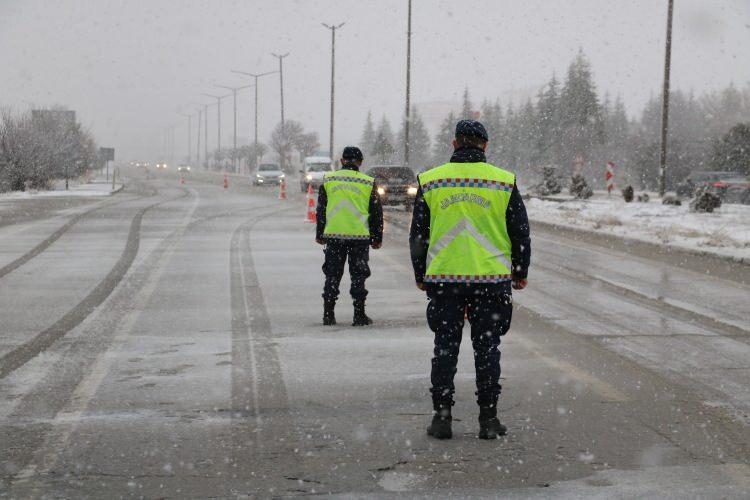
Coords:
348,208
469,240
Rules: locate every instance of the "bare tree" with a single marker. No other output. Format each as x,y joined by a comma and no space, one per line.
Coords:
284,139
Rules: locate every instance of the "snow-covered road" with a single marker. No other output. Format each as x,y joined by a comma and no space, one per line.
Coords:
169,344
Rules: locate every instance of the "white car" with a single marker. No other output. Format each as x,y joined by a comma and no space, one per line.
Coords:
313,169
268,173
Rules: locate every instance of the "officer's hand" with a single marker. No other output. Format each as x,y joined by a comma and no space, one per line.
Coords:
520,284
420,285
319,241
377,245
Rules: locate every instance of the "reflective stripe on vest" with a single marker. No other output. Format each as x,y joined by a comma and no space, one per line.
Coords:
348,208
469,242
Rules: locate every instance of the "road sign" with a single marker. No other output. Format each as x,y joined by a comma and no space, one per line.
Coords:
610,176
107,154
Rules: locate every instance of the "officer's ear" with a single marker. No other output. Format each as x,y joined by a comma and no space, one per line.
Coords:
455,144
484,147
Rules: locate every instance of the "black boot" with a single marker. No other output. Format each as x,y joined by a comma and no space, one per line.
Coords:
440,428
489,426
329,318
360,318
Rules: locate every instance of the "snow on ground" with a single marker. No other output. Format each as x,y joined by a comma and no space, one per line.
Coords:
94,188
726,232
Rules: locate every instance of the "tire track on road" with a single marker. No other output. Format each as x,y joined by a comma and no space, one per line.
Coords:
68,386
261,422
49,240
20,355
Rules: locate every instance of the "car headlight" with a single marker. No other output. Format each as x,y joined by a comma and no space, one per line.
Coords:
258,176
281,176
309,177
381,191
411,191
188,169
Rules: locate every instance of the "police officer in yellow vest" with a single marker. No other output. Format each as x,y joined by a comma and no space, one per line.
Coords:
350,220
469,244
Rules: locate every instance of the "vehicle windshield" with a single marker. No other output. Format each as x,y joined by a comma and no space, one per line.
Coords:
318,167
392,173
270,167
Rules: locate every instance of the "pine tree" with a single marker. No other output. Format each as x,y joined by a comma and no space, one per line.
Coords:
498,137
383,147
368,135
419,142
467,108
527,133
443,146
548,123
492,120
582,126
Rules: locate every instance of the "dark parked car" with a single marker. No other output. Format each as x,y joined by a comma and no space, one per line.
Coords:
396,185
701,179
733,190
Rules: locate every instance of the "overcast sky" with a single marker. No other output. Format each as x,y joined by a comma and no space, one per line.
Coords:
128,67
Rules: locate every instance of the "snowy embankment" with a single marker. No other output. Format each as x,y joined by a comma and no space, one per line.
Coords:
724,233
97,187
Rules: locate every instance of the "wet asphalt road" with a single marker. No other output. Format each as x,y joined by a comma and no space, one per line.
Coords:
166,342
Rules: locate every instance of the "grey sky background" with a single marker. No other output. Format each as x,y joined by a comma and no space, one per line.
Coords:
128,67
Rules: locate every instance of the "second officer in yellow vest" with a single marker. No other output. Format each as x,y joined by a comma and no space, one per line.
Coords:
350,220
469,243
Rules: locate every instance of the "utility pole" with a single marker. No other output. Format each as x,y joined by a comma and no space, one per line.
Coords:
333,29
281,57
218,120
234,143
256,76
189,136
205,133
665,104
407,123
198,148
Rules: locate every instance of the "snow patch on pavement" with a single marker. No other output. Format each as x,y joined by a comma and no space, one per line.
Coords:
95,188
725,233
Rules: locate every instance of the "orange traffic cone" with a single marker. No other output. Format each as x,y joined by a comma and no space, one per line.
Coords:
226,181
312,216
282,189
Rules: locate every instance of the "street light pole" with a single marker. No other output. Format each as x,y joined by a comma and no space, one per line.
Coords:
218,119
407,144
333,29
256,76
665,104
234,143
281,57
190,136
205,133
